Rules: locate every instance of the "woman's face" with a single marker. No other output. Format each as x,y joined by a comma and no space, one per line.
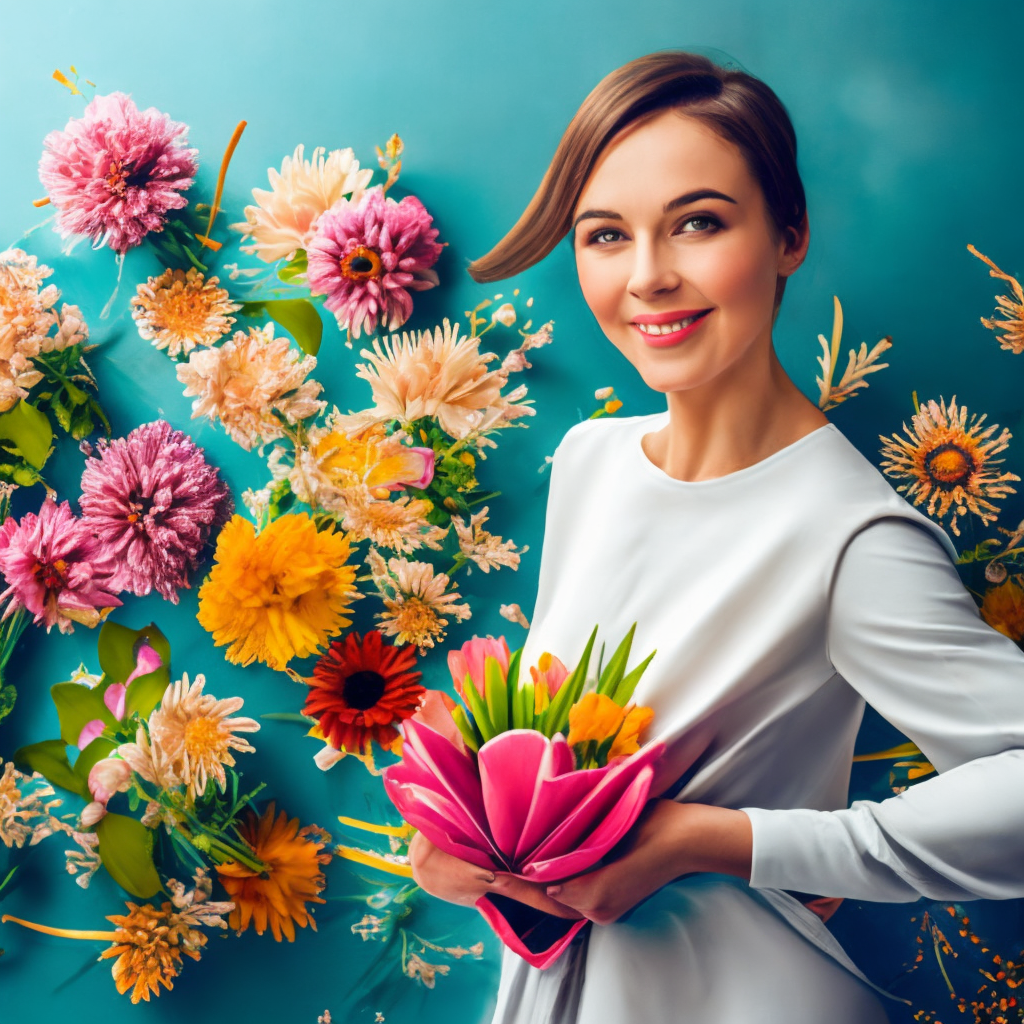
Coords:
676,253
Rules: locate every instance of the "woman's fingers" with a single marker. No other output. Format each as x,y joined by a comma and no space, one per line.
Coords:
531,894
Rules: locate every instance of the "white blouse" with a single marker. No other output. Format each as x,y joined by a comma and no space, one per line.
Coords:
780,598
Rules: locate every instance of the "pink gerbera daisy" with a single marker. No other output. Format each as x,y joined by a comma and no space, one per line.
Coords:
114,173
366,256
153,500
56,568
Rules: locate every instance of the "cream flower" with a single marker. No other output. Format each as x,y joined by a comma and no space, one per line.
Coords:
438,375
194,730
414,599
26,806
246,380
284,219
483,548
399,524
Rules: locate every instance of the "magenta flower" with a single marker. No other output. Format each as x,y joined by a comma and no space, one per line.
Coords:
153,500
366,256
114,173
56,568
519,806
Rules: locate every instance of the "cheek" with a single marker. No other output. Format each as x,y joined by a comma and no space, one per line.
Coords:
603,285
737,277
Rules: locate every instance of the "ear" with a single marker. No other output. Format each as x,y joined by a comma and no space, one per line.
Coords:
793,247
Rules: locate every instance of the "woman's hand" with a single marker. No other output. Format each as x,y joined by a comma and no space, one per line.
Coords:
458,881
668,840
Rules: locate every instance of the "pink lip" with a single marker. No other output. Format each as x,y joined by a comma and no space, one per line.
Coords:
665,318
664,340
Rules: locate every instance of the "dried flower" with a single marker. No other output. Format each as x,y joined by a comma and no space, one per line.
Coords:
366,256
360,689
859,365
248,380
284,219
399,524
27,803
948,462
485,549
115,173
277,595
1010,311
84,861
181,309
418,968
153,501
194,729
56,569
414,599
514,613
291,876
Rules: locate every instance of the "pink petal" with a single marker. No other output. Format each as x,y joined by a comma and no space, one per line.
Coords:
90,731
113,697
508,935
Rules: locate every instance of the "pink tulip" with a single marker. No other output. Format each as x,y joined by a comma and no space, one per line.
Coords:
470,661
107,777
519,807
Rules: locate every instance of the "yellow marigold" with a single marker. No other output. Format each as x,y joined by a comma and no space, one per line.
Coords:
290,879
1003,609
277,595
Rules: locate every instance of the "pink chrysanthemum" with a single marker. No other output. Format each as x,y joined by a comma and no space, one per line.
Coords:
366,256
56,568
153,500
114,173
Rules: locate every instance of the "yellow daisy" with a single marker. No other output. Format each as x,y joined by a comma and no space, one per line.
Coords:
948,462
181,309
280,594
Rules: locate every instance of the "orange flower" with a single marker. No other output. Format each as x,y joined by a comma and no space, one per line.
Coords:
628,739
290,879
1003,609
594,717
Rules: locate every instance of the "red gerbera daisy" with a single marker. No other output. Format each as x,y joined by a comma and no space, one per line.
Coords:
360,688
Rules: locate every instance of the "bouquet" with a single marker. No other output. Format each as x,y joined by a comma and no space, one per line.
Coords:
538,778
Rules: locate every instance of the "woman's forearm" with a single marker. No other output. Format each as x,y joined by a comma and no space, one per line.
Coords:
701,837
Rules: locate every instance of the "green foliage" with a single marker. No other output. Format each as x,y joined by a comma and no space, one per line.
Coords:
50,759
297,316
26,441
76,705
126,849
117,647
295,269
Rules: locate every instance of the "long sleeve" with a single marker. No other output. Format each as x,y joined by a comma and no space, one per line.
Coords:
905,633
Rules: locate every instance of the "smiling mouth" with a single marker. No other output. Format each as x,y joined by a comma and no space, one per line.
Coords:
672,328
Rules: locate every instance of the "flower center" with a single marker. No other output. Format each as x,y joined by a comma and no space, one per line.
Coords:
949,465
52,576
203,738
121,177
360,264
362,690
138,508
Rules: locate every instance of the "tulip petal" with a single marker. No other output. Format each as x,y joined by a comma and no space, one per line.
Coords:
511,768
540,939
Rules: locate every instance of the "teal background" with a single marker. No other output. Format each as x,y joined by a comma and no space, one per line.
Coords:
908,117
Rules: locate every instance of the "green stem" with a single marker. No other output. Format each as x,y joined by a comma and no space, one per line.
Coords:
938,957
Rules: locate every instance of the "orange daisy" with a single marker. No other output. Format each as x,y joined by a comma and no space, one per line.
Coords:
291,876
948,462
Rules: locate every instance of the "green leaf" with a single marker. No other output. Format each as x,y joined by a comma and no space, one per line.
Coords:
126,849
496,694
300,319
624,691
62,412
100,748
614,670
295,268
8,695
29,431
50,759
478,709
557,715
117,645
469,733
77,704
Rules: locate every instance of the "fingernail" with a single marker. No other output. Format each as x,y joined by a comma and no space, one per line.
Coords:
489,877
553,890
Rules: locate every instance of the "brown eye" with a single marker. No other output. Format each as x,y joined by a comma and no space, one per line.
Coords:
694,225
600,237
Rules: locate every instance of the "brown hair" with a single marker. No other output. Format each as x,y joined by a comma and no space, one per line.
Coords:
735,105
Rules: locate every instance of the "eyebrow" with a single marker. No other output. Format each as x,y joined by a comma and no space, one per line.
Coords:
684,200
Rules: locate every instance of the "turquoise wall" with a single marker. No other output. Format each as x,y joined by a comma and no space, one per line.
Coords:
908,116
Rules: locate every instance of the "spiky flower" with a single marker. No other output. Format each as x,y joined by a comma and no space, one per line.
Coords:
1010,311
291,878
179,310
247,381
194,729
949,462
482,548
153,501
115,173
415,601
280,594
56,568
284,219
367,256
437,375
27,803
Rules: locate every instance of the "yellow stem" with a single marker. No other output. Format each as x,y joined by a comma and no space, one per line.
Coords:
368,826
228,153
64,933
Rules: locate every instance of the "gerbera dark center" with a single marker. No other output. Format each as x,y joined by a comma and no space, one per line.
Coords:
360,264
362,690
949,465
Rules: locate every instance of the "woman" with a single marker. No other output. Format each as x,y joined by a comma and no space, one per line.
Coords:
780,577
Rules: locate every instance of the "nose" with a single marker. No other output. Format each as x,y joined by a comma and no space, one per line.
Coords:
653,274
